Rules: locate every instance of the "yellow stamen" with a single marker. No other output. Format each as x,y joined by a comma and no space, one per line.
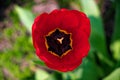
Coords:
60,40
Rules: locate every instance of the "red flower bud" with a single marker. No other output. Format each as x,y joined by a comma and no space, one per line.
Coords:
61,38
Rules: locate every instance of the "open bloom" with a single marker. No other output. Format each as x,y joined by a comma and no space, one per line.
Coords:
61,38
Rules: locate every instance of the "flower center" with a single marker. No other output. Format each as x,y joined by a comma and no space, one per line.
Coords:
58,42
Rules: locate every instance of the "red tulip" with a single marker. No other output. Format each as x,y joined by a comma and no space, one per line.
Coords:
61,38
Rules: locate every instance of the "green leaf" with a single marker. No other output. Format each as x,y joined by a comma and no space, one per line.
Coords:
41,74
55,76
25,16
97,31
115,48
69,76
115,75
52,77
115,45
88,5
97,38
116,34
87,71
39,62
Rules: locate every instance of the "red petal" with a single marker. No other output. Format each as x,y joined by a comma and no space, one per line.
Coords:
73,22
69,21
64,67
84,22
38,23
80,47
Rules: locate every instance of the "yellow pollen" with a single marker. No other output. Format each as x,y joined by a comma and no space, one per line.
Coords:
60,40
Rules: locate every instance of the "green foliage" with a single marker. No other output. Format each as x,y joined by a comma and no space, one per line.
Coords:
115,48
116,33
91,69
115,43
63,3
41,75
115,75
25,16
88,68
98,41
16,59
39,62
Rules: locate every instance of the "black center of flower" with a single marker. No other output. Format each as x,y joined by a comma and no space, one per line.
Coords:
58,42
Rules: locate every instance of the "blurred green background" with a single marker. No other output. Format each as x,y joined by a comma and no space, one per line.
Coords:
17,55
